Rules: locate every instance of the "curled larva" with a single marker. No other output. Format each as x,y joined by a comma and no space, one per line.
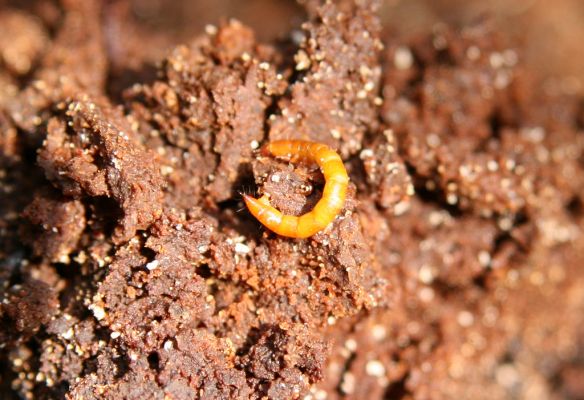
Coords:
327,208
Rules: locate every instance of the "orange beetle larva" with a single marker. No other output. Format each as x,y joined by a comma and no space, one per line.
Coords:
327,208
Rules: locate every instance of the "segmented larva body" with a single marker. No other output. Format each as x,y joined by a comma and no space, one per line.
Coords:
327,208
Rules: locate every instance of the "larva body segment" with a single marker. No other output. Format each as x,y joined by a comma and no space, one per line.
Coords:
327,208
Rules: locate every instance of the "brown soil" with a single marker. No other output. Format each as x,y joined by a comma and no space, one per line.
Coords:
130,268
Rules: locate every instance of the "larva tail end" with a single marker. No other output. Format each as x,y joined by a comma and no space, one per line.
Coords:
252,203
247,198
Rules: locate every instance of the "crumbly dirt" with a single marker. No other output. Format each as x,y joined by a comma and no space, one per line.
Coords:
130,268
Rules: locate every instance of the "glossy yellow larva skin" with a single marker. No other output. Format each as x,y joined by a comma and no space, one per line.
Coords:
327,208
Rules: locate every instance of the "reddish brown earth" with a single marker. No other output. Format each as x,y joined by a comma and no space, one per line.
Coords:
131,270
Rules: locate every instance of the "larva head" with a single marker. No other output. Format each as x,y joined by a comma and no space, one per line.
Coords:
265,150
